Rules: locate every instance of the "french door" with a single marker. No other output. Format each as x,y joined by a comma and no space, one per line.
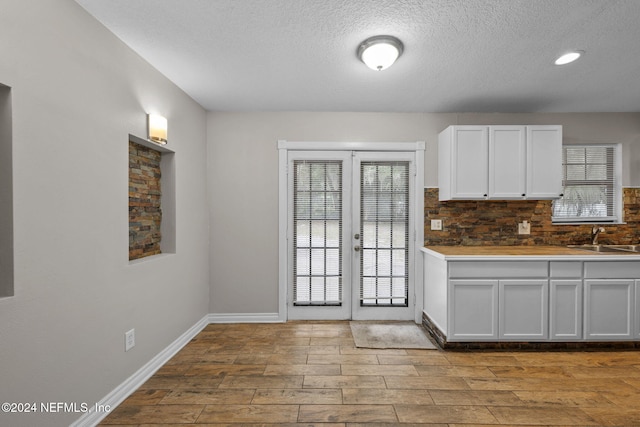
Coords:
350,235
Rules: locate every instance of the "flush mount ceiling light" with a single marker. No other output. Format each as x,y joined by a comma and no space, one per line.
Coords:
380,52
569,57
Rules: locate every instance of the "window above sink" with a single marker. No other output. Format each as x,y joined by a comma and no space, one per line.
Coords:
592,190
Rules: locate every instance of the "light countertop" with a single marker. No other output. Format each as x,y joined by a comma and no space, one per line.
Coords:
496,253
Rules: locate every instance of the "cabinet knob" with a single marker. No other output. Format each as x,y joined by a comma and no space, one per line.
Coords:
523,195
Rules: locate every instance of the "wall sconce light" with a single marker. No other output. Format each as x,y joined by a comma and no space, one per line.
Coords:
380,52
157,128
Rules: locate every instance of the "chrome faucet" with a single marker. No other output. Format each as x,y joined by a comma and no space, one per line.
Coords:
595,232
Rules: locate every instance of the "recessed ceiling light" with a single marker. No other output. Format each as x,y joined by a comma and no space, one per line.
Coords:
380,52
569,57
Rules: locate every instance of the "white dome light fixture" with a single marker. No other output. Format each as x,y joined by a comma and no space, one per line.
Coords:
569,57
380,52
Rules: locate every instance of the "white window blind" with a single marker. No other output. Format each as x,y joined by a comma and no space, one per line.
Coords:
317,228
384,227
591,192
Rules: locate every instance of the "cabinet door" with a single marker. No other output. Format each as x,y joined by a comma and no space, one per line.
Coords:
523,310
473,310
544,162
609,307
469,163
565,317
507,162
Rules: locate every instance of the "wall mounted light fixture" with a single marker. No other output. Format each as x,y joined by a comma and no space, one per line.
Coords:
157,128
380,52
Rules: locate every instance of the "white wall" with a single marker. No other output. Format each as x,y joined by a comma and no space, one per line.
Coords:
243,176
77,92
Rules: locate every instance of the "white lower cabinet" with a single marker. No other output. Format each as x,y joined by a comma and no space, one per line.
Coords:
609,306
522,310
535,299
565,310
474,310
489,310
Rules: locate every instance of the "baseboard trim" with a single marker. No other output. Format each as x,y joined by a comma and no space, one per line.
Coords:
131,384
245,318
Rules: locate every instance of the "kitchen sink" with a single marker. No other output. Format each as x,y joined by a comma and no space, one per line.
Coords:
631,248
608,248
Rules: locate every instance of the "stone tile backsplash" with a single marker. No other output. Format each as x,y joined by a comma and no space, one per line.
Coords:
485,223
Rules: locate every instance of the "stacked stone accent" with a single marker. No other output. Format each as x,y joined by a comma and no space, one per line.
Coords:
487,223
145,214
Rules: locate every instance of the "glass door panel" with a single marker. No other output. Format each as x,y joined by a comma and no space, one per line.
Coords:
350,247
383,216
318,215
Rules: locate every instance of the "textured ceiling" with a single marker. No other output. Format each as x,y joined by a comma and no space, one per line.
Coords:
460,55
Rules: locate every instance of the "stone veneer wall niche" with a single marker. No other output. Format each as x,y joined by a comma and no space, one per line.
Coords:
486,223
145,194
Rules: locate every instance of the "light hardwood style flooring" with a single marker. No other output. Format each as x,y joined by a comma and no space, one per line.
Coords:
310,373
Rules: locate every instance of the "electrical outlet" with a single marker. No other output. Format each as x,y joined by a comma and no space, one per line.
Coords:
436,224
129,339
524,227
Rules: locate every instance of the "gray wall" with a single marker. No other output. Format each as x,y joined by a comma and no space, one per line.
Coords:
77,92
244,214
243,191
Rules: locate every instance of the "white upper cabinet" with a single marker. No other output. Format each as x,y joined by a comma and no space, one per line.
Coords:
544,162
507,162
500,162
463,162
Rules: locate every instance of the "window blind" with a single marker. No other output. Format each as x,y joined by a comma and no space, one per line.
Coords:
317,230
384,227
590,191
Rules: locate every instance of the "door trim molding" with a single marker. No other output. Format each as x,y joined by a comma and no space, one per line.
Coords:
283,232
351,146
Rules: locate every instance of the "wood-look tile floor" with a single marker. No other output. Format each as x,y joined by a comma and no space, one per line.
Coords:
310,373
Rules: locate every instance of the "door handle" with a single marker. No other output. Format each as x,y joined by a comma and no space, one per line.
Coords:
356,248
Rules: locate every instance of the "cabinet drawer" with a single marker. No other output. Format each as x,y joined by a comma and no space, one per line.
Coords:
612,270
565,269
498,269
